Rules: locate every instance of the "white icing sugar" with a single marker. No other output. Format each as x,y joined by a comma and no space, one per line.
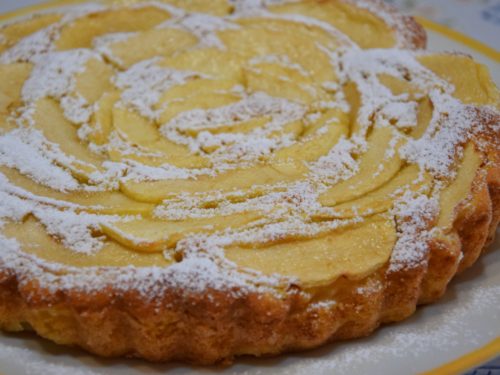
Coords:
450,126
255,105
175,12
403,115
248,5
231,148
54,74
339,163
144,83
363,67
413,213
141,172
239,146
76,109
10,211
392,147
203,26
25,150
102,44
196,273
283,60
31,47
73,229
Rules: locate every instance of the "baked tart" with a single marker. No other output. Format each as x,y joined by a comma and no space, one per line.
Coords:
197,180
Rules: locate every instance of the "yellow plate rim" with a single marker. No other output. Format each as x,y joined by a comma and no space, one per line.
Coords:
457,36
469,360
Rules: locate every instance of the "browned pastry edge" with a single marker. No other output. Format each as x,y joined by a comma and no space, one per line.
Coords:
217,326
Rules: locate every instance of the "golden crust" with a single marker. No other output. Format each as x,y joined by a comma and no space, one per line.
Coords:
216,326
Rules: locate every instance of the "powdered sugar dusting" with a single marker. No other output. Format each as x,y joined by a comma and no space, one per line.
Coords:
244,146
450,127
145,82
102,44
25,151
203,26
414,213
31,47
54,76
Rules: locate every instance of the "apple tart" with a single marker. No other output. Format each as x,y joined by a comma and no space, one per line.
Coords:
197,180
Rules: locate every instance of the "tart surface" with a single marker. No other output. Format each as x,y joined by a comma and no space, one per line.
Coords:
195,181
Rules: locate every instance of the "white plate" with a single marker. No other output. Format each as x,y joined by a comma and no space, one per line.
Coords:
465,319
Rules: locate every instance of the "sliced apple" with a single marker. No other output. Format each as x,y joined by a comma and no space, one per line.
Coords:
153,235
139,131
80,33
360,25
316,145
272,37
134,128
201,101
12,78
214,7
239,127
148,44
14,32
6,123
101,122
424,116
460,187
375,168
102,202
209,61
94,81
49,119
283,82
401,87
320,261
293,128
382,199
196,87
353,97
233,180
472,81
34,240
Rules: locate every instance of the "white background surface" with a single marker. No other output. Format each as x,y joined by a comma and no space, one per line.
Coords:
466,318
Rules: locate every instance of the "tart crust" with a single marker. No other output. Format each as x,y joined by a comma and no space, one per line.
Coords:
215,326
